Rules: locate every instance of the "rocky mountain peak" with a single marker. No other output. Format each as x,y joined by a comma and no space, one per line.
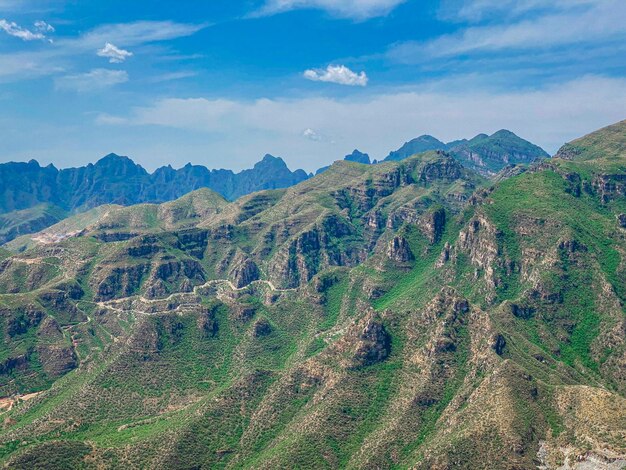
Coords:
504,133
358,157
117,165
484,153
271,161
420,144
479,137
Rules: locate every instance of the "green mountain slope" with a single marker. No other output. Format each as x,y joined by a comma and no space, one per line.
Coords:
607,143
401,315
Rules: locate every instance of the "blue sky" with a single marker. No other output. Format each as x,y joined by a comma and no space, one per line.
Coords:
221,83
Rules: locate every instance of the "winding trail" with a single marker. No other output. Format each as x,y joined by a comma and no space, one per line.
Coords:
111,304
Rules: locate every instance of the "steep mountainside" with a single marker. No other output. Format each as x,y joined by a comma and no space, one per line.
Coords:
607,143
400,315
485,154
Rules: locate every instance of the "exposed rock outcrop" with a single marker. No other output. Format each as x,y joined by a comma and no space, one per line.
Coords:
14,363
444,257
245,272
433,224
261,328
207,322
57,360
121,281
479,242
499,344
444,169
399,250
374,344
243,313
366,343
20,320
609,187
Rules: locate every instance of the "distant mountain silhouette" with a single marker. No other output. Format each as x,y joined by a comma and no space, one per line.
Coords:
116,179
355,156
484,153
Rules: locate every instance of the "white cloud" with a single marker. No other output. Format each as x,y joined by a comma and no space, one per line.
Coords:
44,27
600,21
94,80
114,53
13,29
339,74
356,9
548,116
311,135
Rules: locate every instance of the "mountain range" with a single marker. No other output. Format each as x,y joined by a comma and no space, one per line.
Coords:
38,195
35,197
118,180
486,154
405,314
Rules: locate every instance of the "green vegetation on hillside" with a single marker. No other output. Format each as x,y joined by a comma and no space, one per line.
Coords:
401,315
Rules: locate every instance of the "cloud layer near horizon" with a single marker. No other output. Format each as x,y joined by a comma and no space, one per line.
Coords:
377,124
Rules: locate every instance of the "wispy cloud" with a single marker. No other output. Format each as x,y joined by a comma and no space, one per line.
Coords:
44,27
168,77
480,10
136,33
13,29
114,53
355,9
94,80
339,74
599,21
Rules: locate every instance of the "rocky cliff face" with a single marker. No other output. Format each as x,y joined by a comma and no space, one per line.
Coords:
245,272
399,250
609,187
